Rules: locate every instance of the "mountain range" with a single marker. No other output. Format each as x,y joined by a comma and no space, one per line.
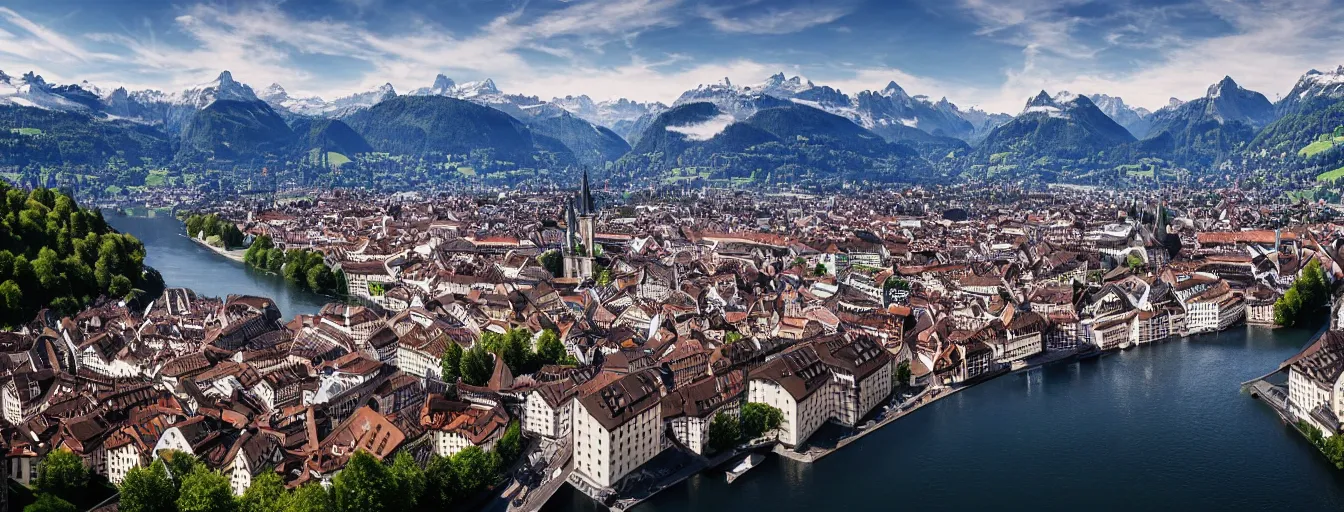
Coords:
779,128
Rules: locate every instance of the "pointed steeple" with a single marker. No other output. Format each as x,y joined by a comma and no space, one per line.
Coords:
586,197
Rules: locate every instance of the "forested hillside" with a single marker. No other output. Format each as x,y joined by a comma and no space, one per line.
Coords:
60,256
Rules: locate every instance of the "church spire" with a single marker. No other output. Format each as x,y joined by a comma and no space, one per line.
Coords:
586,197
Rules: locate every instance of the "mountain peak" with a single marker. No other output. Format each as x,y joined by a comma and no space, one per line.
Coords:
1226,85
894,90
225,77
1042,99
443,83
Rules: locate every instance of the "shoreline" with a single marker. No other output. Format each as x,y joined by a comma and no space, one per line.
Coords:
814,454
235,255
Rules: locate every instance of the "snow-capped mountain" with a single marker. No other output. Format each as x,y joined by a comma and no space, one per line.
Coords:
486,93
892,105
222,88
279,99
443,86
1226,101
358,101
30,90
1134,119
621,116
890,112
1314,84
738,102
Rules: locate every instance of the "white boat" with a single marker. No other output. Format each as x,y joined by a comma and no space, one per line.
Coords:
745,464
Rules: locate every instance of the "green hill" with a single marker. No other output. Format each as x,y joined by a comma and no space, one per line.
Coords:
236,131
785,143
47,137
422,125
592,145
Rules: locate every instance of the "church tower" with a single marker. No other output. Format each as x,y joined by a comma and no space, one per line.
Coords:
580,233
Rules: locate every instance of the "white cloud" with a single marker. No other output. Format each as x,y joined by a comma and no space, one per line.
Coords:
703,130
1271,43
771,20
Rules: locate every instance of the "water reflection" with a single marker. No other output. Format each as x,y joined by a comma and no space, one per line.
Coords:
184,263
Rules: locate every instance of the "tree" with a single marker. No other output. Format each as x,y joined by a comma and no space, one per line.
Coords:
759,419
312,497
179,464
11,304
724,432
451,362
731,337
265,494
517,350
408,482
363,486
477,365
50,503
1309,293
148,489
603,277
62,473
820,270
444,486
553,262
120,286
903,373
510,445
204,490
549,348
475,469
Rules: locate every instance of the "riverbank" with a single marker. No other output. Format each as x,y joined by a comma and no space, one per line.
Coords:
1168,412
235,255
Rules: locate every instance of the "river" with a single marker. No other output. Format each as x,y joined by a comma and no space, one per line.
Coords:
186,264
1159,427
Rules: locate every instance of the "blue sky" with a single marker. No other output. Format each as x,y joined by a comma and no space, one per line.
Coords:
990,53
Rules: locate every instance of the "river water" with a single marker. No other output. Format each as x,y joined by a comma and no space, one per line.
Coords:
186,264
1159,427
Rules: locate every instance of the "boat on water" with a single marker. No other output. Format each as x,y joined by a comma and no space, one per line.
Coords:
750,461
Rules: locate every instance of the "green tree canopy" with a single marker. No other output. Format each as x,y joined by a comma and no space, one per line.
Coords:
759,419
148,489
363,485
408,483
62,473
50,503
204,490
265,494
724,432
450,363
477,365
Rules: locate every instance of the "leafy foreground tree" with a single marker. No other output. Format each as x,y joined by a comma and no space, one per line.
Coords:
266,494
1308,294
444,485
204,490
451,362
363,486
759,418
510,445
148,489
309,498
62,473
724,432
408,483
49,503
477,364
